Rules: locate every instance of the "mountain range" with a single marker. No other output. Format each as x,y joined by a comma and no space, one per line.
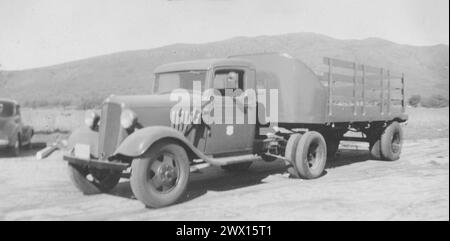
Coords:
131,72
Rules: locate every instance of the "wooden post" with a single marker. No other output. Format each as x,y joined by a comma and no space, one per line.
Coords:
403,92
382,91
364,90
355,102
330,86
389,92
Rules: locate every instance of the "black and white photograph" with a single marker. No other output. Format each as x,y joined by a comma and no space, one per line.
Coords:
224,110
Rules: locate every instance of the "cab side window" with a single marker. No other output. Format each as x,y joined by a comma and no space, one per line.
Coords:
228,79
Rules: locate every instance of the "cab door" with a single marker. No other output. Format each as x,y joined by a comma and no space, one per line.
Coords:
233,131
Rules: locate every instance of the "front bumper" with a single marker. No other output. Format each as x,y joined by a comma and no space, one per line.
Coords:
95,163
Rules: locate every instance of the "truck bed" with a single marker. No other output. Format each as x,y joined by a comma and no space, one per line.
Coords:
346,92
360,93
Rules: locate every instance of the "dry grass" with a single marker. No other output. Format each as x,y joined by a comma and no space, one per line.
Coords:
53,120
427,123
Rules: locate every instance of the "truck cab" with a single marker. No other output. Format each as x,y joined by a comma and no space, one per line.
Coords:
225,112
229,78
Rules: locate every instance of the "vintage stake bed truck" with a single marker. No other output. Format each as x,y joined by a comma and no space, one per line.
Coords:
134,136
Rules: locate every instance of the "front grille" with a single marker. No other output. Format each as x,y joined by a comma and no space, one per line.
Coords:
109,129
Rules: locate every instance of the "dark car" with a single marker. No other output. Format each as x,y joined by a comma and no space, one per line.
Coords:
13,133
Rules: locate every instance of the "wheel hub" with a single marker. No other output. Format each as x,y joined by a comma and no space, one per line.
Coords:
167,174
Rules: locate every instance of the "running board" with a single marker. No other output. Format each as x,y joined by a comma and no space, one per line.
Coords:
224,161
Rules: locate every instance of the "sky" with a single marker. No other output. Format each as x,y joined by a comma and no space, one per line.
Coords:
36,33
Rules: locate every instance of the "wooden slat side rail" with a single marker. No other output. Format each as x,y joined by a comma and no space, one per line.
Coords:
363,85
349,65
403,93
370,70
330,87
389,92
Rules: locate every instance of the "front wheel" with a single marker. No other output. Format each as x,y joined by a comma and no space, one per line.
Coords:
310,155
159,178
16,148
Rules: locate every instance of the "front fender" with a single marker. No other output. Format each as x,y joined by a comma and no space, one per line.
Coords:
84,135
138,143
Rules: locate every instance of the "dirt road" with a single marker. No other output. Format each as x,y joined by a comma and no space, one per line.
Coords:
354,188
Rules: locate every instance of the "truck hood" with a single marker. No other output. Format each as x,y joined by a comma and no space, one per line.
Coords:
150,109
141,101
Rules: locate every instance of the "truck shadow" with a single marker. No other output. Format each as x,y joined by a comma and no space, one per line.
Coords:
217,180
346,157
24,152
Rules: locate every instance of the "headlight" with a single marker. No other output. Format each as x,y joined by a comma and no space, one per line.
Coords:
91,119
128,118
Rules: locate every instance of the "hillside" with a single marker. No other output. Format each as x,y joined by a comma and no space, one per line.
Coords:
426,68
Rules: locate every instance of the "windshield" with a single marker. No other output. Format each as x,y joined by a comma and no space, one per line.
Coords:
166,82
6,109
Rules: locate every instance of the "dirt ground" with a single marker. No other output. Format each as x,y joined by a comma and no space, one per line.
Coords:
354,188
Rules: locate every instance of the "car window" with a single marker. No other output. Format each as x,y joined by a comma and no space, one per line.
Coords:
6,109
166,82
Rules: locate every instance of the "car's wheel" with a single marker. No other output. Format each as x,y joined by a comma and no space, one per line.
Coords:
237,167
16,148
159,178
392,141
289,154
311,155
92,181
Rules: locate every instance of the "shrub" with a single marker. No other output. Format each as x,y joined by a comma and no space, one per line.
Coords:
435,101
92,103
414,100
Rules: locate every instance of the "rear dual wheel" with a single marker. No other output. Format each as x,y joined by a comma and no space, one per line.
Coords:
388,145
159,178
307,155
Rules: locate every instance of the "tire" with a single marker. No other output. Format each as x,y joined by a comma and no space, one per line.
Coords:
102,180
392,141
237,167
159,178
289,154
311,155
16,148
375,149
